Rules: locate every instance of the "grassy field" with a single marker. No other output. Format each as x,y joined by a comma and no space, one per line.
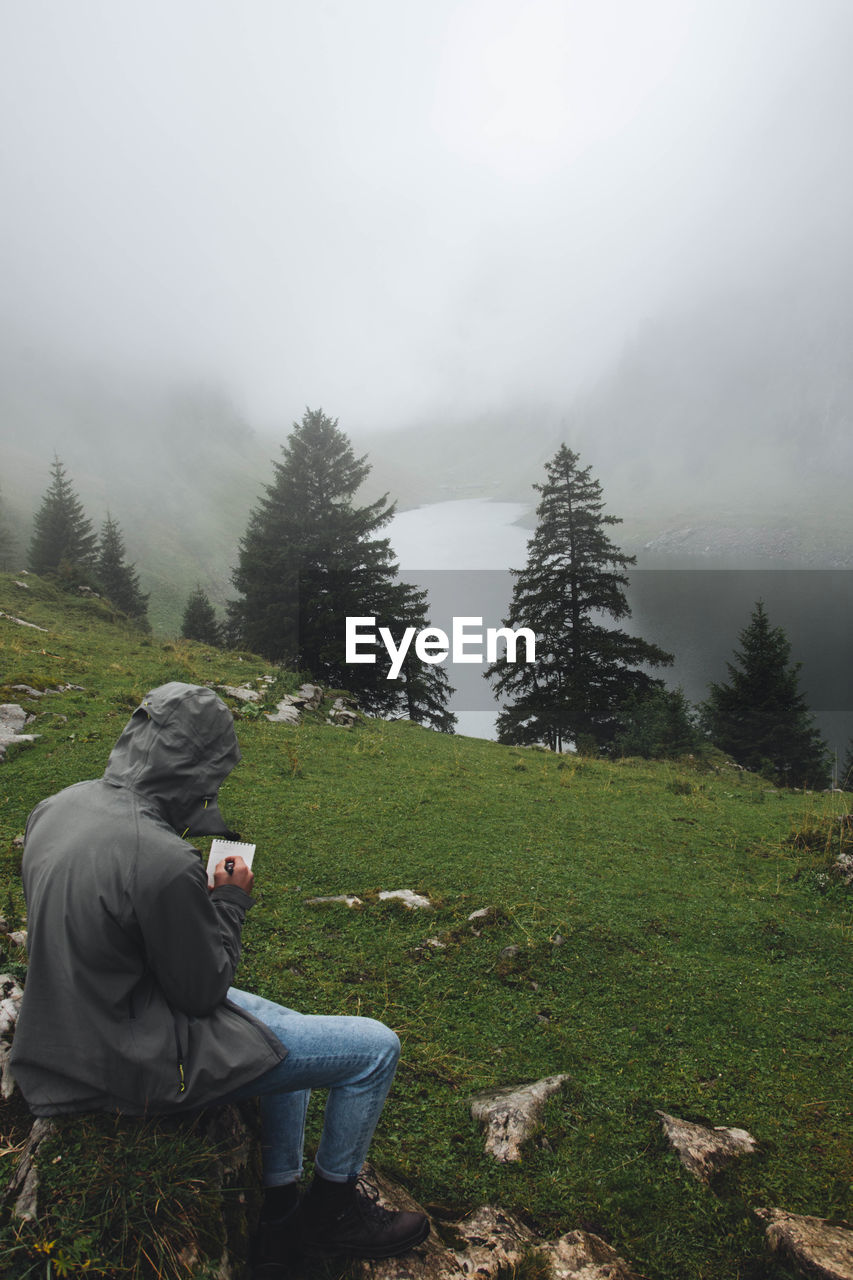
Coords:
665,933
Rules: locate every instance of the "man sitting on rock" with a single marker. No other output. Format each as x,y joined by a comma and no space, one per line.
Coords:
128,1004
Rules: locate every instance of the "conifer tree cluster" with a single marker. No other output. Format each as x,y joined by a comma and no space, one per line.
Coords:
310,558
64,543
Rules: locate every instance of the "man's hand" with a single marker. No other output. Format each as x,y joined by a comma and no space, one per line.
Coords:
233,870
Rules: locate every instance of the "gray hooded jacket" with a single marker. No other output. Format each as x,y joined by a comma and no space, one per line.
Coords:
130,955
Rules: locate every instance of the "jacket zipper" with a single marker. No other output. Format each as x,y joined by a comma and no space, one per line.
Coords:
182,1081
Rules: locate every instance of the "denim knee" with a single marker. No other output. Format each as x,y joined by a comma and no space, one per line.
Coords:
381,1042
390,1043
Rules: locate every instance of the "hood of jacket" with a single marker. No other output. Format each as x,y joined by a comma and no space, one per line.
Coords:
177,748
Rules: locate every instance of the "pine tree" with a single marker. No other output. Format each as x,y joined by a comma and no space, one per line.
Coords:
584,671
659,725
760,717
118,580
62,541
845,774
200,621
310,559
8,543
426,687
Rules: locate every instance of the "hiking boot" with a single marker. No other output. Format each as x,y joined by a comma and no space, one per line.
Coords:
342,1219
276,1245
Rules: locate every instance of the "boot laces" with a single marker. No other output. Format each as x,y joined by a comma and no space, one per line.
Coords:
367,1200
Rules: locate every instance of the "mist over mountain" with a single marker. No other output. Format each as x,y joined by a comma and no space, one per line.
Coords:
469,230
721,435
177,466
742,405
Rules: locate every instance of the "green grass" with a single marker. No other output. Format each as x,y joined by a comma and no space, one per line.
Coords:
677,945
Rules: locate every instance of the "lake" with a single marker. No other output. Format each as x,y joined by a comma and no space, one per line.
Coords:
461,553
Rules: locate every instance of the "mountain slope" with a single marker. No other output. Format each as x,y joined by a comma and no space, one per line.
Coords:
668,934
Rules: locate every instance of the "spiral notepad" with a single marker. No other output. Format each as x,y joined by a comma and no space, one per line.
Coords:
228,849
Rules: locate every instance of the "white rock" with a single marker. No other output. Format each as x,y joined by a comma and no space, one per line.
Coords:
242,692
12,717
12,720
818,1247
10,1005
511,1114
415,901
342,715
349,900
585,1256
704,1151
21,622
311,695
489,1243
285,713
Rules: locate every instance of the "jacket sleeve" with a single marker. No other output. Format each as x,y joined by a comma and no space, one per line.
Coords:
191,935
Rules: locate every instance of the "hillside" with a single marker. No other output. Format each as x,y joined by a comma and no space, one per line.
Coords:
176,466
666,934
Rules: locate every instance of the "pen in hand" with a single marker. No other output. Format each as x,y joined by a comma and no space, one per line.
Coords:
233,870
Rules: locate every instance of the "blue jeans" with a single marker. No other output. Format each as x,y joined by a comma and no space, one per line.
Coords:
354,1058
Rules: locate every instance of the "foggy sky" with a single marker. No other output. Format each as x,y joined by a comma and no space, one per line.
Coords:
401,208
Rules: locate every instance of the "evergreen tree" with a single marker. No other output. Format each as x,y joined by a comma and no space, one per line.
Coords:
200,621
584,671
62,541
659,725
310,559
8,542
845,773
426,687
118,580
759,717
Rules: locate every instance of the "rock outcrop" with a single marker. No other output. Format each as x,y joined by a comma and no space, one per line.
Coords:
705,1151
22,622
289,709
348,900
818,1247
22,1190
13,718
414,901
342,714
242,692
488,1243
11,996
512,1114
